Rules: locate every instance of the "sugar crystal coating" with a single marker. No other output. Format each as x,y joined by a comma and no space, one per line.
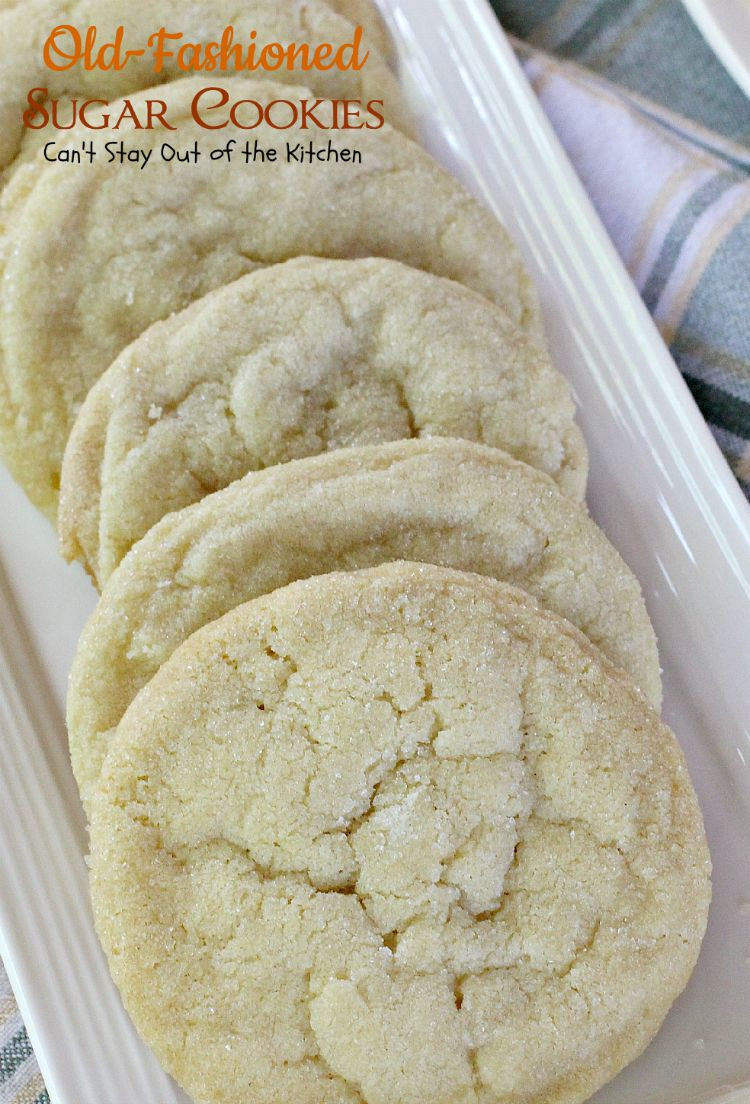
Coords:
396,836
442,501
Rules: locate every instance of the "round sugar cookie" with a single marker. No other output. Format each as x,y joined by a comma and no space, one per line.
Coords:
396,837
294,360
25,28
92,255
448,502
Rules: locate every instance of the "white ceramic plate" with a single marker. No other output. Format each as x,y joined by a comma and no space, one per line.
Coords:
660,488
725,25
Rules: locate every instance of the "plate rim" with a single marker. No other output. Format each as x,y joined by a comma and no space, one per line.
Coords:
711,23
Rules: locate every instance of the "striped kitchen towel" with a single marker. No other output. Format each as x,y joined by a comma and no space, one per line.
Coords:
660,137
20,1079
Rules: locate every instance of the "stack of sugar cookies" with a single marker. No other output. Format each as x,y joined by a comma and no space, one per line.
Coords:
366,719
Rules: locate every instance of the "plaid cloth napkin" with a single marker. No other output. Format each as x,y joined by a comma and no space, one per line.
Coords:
661,139
660,136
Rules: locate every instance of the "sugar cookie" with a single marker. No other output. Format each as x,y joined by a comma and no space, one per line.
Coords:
91,255
396,837
294,360
450,502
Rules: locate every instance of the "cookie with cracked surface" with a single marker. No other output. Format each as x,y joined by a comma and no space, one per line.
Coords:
92,255
449,502
396,837
291,361
24,28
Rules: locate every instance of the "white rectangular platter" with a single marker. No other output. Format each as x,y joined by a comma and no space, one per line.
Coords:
660,489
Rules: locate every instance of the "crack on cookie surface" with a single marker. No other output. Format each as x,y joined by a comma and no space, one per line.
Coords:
370,392
389,837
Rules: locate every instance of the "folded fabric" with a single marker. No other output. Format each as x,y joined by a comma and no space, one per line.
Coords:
673,193
20,1079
